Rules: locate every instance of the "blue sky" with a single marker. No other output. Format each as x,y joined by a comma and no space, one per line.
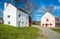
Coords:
41,4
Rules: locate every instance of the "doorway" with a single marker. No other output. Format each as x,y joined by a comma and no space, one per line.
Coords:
18,23
47,25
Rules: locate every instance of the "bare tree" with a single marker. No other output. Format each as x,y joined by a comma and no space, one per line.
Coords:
28,5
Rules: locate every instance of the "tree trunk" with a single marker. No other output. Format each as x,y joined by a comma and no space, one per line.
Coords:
30,21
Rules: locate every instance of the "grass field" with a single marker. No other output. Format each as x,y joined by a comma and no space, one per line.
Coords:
37,23
9,32
56,29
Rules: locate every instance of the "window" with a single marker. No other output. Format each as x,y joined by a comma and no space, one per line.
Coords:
9,22
8,16
42,24
47,20
19,15
50,24
22,22
47,25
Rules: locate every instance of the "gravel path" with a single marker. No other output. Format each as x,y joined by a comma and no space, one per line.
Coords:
48,32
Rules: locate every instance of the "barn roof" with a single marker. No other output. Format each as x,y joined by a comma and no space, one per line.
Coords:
45,13
22,10
50,13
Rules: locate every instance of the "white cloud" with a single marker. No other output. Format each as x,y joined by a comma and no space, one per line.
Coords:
57,7
59,1
42,9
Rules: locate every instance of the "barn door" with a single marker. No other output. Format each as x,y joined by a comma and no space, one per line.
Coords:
46,25
18,23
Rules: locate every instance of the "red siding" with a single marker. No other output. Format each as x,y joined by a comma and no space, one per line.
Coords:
56,20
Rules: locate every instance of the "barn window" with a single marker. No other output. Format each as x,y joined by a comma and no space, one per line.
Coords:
46,24
42,24
47,20
19,15
50,24
9,22
8,16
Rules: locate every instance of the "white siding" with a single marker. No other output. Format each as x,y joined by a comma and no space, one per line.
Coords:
10,10
24,21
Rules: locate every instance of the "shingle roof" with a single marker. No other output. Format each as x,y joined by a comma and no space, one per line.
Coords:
22,10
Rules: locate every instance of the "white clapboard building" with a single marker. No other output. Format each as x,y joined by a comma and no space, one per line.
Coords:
48,20
14,16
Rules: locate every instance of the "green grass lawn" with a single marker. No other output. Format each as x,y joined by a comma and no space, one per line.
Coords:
56,29
9,32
